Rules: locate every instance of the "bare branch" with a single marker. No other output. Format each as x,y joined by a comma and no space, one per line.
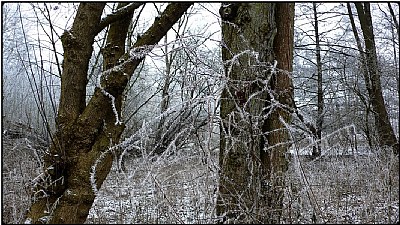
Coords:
119,14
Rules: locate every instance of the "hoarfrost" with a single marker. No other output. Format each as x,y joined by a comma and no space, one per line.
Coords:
140,52
117,121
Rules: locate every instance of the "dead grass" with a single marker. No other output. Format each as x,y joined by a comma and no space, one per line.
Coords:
177,189
19,168
360,189
182,188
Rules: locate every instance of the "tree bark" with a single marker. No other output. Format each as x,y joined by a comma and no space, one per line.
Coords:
253,109
278,140
165,100
385,131
320,92
65,194
395,22
396,48
364,71
77,44
112,53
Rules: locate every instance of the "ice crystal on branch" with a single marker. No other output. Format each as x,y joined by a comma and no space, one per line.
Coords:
140,52
117,120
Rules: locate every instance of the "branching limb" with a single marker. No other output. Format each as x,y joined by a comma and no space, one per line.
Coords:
118,15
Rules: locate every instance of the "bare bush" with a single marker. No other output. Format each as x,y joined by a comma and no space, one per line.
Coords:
22,152
178,188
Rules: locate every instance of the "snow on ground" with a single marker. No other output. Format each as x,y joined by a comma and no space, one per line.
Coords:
182,188
165,191
334,189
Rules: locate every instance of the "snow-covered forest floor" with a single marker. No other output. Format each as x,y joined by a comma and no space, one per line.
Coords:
182,188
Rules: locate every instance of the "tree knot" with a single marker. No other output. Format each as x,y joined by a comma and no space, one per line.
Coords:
228,11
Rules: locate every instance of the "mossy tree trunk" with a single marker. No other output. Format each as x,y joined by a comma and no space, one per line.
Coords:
86,131
255,108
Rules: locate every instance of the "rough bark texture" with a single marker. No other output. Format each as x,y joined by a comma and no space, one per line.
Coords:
278,139
251,157
78,47
65,194
77,44
384,129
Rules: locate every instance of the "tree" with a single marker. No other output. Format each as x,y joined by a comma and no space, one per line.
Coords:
364,70
255,108
386,136
313,72
78,161
394,27
169,73
320,91
17,76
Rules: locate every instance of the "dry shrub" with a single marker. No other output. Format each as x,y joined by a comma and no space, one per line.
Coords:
20,166
343,189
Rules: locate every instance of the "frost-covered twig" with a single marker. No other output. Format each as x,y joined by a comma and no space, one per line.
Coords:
140,52
117,121
104,92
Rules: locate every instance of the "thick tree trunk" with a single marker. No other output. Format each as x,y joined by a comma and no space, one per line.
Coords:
253,136
385,131
276,125
112,53
78,48
65,193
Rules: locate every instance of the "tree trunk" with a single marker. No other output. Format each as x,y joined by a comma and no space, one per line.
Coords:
395,50
112,53
320,92
253,136
276,125
385,131
364,71
85,132
165,100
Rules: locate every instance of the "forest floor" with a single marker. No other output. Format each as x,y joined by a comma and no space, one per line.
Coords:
182,188
362,189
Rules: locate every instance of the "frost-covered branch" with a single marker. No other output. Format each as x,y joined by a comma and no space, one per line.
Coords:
117,120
